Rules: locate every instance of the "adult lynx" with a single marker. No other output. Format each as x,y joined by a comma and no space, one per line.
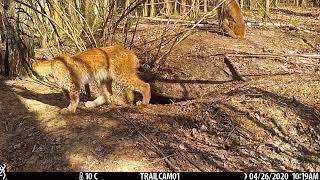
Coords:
104,65
231,19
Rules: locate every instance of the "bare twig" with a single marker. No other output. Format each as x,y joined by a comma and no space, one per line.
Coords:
161,41
184,34
310,44
134,32
46,83
125,32
199,22
34,148
85,21
52,22
43,12
157,63
110,14
125,13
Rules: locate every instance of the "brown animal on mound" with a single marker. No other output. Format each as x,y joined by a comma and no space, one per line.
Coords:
104,65
231,19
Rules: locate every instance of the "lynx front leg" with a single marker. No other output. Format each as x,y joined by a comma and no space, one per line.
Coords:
87,89
106,88
226,26
105,93
74,101
140,86
65,94
146,94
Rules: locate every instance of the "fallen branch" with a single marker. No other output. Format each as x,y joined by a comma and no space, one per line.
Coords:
310,44
187,23
290,12
265,24
270,55
205,24
233,69
166,20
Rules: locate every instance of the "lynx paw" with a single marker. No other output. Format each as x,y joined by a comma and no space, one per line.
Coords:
66,111
90,104
141,103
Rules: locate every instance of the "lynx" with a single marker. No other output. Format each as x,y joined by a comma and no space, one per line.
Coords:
231,19
104,65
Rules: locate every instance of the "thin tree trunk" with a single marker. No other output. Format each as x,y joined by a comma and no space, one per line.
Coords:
241,3
55,14
1,29
68,8
168,8
176,7
11,50
18,51
145,9
95,17
183,7
106,9
197,7
115,6
205,6
267,8
152,13
84,12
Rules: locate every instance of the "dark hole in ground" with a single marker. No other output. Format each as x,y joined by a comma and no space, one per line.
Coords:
158,99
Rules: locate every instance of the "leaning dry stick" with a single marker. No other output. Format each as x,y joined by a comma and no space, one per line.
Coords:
233,69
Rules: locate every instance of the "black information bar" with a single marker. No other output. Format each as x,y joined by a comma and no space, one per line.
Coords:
164,175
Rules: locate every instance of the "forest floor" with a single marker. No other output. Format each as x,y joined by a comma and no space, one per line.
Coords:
271,121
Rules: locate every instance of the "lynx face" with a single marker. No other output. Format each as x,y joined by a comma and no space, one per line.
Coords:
104,65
